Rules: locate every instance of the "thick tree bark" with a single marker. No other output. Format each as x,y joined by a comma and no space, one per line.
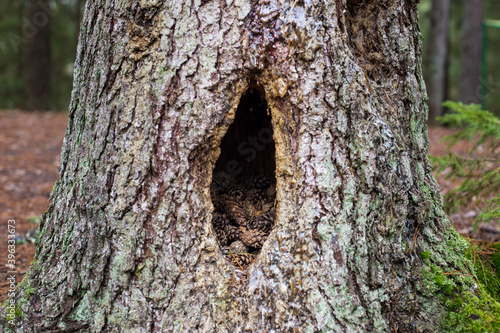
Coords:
437,53
127,243
470,77
38,67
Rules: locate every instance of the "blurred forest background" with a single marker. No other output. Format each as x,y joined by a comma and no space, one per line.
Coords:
38,41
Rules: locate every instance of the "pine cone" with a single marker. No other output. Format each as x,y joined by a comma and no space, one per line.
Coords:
219,221
218,204
254,237
221,237
232,233
238,246
244,214
240,259
270,193
250,209
264,221
238,192
256,196
268,207
259,182
234,209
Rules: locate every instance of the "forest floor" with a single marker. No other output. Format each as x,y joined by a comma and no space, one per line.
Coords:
30,146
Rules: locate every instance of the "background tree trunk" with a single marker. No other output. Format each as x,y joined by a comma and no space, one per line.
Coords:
470,83
38,65
127,243
437,58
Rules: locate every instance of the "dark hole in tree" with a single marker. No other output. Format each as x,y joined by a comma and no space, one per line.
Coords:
243,189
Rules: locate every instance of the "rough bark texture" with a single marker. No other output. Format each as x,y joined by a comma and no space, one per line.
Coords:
127,244
470,77
436,58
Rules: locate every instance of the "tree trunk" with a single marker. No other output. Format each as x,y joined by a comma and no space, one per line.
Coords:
436,58
127,244
38,67
470,77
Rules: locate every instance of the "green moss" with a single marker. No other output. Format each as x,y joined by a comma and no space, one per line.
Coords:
439,279
54,188
468,289
34,219
425,255
473,307
487,269
447,289
495,259
456,303
18,313
28,291
470,313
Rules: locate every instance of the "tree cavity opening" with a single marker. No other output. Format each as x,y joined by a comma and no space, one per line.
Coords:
243,189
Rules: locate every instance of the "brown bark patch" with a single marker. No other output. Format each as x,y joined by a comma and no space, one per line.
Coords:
369,25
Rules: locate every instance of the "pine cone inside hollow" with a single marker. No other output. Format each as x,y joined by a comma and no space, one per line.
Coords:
264,221
259,182
220,222
238,192
240,259
254,238
232,233
233,208
256,196
243,214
